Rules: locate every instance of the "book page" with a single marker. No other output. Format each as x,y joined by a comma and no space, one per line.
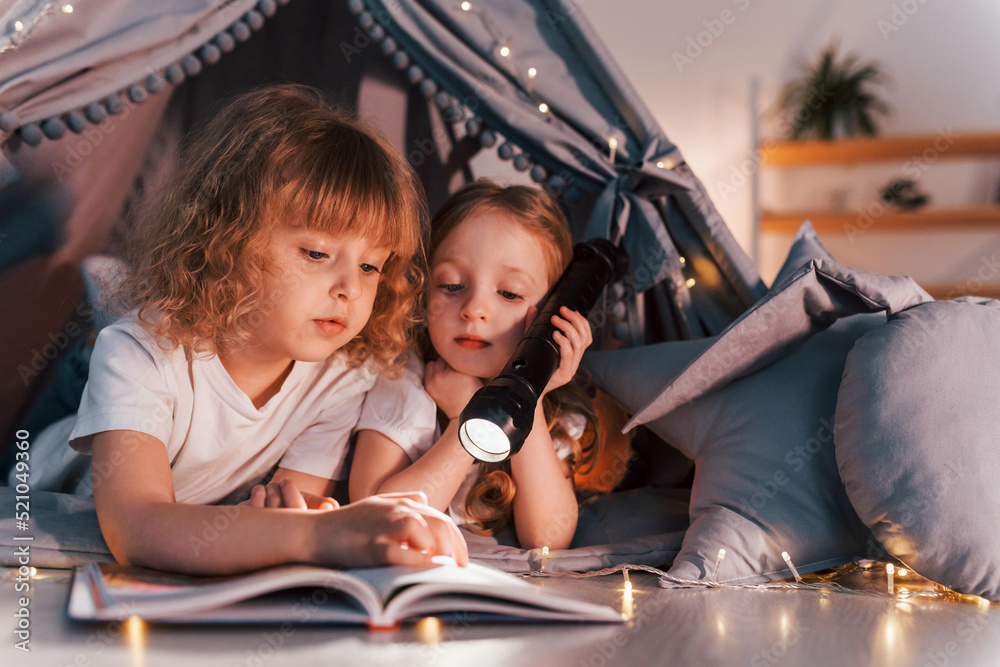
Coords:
118,592
447,588
389,581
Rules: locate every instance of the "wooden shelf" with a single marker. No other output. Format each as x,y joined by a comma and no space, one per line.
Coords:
937,218
928,147
922,149
948,292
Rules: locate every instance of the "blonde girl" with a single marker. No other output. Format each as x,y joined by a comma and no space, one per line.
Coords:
270,286
494,253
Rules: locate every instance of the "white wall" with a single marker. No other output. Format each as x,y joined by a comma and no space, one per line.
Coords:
942,58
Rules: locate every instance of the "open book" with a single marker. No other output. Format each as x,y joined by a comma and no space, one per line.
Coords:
381,597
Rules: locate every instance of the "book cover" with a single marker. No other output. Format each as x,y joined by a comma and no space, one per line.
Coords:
380,597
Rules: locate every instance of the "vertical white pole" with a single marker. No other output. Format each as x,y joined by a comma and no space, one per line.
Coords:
755,175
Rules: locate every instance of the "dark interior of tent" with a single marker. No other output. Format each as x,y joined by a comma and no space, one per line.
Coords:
800,472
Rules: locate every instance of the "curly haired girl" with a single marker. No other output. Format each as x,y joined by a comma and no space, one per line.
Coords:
269,287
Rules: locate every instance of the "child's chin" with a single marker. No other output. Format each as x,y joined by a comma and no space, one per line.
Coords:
313,356
475,370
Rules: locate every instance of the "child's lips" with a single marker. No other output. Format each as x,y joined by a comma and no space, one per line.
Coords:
330,327
471,342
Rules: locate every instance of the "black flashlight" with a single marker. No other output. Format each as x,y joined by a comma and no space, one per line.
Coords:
499,416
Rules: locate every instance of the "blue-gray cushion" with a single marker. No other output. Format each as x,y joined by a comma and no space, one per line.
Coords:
918,440
754,408
806,246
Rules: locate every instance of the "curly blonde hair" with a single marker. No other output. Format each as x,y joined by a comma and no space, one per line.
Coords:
490,501
275,155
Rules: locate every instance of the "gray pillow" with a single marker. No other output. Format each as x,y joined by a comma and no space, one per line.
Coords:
918,440
806,246
754,407
810,300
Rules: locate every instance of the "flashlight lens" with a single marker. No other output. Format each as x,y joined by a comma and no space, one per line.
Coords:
486,436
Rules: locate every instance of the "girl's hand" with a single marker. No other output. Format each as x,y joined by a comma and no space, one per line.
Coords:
450,389
391,529
286,494
573,338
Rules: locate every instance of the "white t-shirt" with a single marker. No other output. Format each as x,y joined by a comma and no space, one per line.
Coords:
402,411
421,433
219,445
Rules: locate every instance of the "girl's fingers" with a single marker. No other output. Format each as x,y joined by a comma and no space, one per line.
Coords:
402,553
566,349
315,502
458,548
258,496
273,496
575,326
291,496
581,324
428,530
415,496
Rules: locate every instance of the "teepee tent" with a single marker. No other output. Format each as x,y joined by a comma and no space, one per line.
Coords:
95,95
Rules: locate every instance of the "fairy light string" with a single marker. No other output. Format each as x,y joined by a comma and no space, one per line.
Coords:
817,582
32,132
24,28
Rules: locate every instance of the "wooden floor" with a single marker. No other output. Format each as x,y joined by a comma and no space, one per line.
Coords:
669,627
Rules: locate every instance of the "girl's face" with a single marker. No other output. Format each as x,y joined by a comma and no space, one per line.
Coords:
318,293
485,275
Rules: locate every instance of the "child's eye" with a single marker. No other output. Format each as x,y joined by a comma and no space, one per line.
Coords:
510,296
368,268
450,287
314,255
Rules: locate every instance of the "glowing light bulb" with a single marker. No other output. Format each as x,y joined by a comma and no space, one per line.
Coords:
902,571
683,260
791,566
18,26
67,8
690,282
889,571
613,146
530,83
466,6
543,107
135,634
429,630
628,583
718,561
628,605
504,51
661,164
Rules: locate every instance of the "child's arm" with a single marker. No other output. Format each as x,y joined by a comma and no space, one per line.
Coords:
545,507
437,474
143,525
380,466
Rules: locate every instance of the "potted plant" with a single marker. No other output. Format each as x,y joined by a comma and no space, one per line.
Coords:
833,99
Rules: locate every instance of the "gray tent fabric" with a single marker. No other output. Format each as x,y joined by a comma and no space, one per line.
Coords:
537,73
531,70
66,63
